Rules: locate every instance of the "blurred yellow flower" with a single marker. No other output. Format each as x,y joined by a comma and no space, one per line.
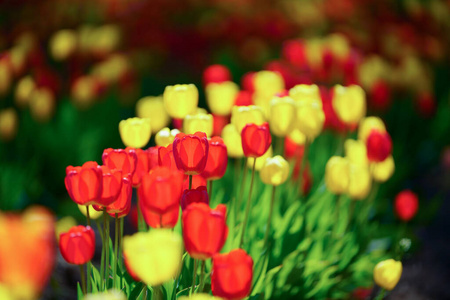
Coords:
337,175
260,160
165,136
64,224
154,256
63,44
274,171
266,84
366,126
387,273
282,115
135,132
153,108
9,122
297,136
42,104
349,103
180,100
109,295
356,152
221,97
6,77
306,93
232,139
198,122
310,119
243,115
93,214
382,171
199,296
23,91
360,181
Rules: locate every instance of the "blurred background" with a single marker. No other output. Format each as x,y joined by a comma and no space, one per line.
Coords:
71,70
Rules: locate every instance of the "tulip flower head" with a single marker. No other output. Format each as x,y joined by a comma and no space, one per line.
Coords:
337,175
165,136
216,74
153,108
232,274
282,115
349,103
84,184
142,165
367,125
217,161
180,100
379,146
360,181
108,295
154,256
122,204
243,98
382,171
135,132
310,118
275,171
243,115
232,139
124,160
305,93
204,230
9,122
198,123
255,139
191,152
197,195
356,152
387,273
221,97
197,181
406,205
111,185
166,158
219,122
77,246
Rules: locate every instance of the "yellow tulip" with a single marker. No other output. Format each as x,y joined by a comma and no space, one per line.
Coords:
5,294
339,45
382,171
314,49
356,152
42,104
63,225
24,88
106,39
259,160
200,111
360,181
306,93
349,103
84,91
153,108
165,136
198,122
63,44
366,126
93,214
387,273
266,84
282,116
200,296
180,100
297,136
154,256
274,171
337,175
135,132
310,119
243,115
232,139
221,97
6,77
109,295
9,122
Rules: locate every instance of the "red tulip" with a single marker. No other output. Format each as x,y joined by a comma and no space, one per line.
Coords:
379,146
292,149
380,95
190,152
247,81
294,52
197,180
77,246
166,158
255,139
112,183
122,205
204,230
243,98
159,196
232,274
216,74
125,160
177,123
219,122
84,184
197,195
142,165
153,157
217,161
406,205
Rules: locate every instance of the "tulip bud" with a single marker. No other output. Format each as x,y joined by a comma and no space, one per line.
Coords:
24,88
238,263
111,186
337,175
379,146
349,103
135,132
367,125
255,139
198,123
221,97
382,171
243,115
216,74
84,184
217,161
232,140
191,152
180,100
406,205
282,115
77,246
305,93
154,256
360,181
42,104
259,160
197,195
93,213
387,273
310,119
9,121
355,152
204,230
275,171
165,136
153,109
63,44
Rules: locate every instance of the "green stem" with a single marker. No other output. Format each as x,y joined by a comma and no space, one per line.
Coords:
106,224
88,217
121,250
381,294
142,226
280,144
83,279
190,181
104,247
89,265
336,214
157,294
210,189
302,167
350,214
202,276
194,277
247,209
241,191
269,219
116,248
